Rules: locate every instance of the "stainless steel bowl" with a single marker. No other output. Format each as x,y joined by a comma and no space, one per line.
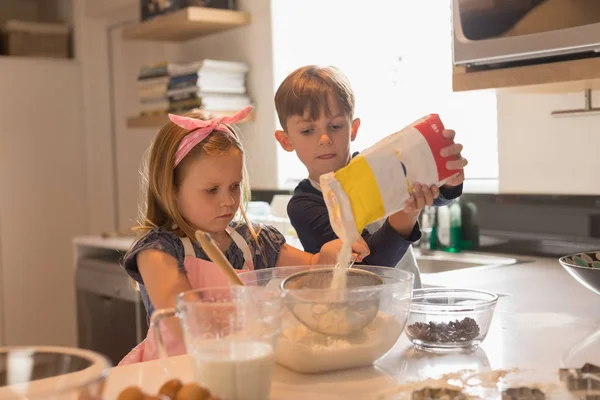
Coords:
339,313
585,268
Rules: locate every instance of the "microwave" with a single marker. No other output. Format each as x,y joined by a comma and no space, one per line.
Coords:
499,33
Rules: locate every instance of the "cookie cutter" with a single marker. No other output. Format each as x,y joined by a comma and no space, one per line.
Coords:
523,393
585,378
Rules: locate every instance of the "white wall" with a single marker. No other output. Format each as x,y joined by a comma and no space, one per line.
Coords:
398,64
335,33
109,70
250,44
540,154
127,57
253,45
92,22
43,202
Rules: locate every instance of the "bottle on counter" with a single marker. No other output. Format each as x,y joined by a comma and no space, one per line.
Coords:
455,227
448,227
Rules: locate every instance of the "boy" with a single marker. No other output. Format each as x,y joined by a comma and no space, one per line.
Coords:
315,106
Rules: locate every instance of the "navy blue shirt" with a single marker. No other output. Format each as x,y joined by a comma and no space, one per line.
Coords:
308,214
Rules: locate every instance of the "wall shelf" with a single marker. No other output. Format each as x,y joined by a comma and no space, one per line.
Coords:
186,24
158,120
563,76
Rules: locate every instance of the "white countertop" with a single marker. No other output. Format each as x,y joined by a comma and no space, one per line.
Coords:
118,243
547,321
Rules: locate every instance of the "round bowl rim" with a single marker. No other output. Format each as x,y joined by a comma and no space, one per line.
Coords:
432,308
407,278
99,361
565,264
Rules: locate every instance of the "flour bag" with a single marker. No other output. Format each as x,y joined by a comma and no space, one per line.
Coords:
378,182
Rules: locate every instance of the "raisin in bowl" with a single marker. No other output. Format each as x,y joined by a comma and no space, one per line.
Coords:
446,319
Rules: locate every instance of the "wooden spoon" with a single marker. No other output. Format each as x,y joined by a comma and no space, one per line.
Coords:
217,256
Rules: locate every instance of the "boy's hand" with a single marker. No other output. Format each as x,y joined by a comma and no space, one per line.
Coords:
459,164
404,221
422,195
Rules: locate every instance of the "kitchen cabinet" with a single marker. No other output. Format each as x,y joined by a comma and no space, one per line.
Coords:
564,76
43,200
555,41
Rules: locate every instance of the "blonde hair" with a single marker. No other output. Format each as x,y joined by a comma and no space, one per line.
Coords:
159,180
309,88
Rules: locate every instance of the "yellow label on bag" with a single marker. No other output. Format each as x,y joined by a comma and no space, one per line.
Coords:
359,183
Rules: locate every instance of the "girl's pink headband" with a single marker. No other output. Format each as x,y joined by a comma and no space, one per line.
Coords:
200,129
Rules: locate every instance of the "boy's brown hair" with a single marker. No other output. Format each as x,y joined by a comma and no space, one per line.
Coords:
309,89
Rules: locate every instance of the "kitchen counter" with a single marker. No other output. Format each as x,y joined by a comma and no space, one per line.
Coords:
545,321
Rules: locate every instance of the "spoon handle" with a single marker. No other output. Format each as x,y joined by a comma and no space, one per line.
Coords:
217,256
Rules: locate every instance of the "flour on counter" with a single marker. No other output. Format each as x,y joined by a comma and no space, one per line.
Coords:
479,384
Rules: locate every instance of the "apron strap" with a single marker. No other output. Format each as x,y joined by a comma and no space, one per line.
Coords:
237,239
243,245
187,246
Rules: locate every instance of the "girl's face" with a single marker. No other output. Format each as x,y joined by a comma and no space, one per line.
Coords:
209,195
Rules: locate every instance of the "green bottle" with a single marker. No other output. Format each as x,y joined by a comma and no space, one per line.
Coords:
455,227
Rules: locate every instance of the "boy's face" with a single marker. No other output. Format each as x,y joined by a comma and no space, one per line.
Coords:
322,145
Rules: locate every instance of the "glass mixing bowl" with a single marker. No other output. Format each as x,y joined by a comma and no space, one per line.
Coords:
304,350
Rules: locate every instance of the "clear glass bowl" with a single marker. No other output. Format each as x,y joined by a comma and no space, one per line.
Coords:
445,319
585,268
303,350
57,373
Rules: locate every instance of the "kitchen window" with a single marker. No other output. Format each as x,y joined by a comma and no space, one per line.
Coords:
398,59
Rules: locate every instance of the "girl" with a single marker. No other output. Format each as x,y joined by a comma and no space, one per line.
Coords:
196,179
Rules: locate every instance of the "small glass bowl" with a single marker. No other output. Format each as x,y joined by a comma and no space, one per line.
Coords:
447,319
52,373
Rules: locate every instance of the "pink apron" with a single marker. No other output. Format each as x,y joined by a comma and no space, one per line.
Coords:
200,274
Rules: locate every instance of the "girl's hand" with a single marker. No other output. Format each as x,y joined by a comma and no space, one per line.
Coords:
459,163
330,251
361,249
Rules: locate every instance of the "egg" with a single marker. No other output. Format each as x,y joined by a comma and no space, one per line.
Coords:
131,393
192,391
170,388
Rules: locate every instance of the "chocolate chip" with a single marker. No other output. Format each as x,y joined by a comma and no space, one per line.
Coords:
451,332
428,393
